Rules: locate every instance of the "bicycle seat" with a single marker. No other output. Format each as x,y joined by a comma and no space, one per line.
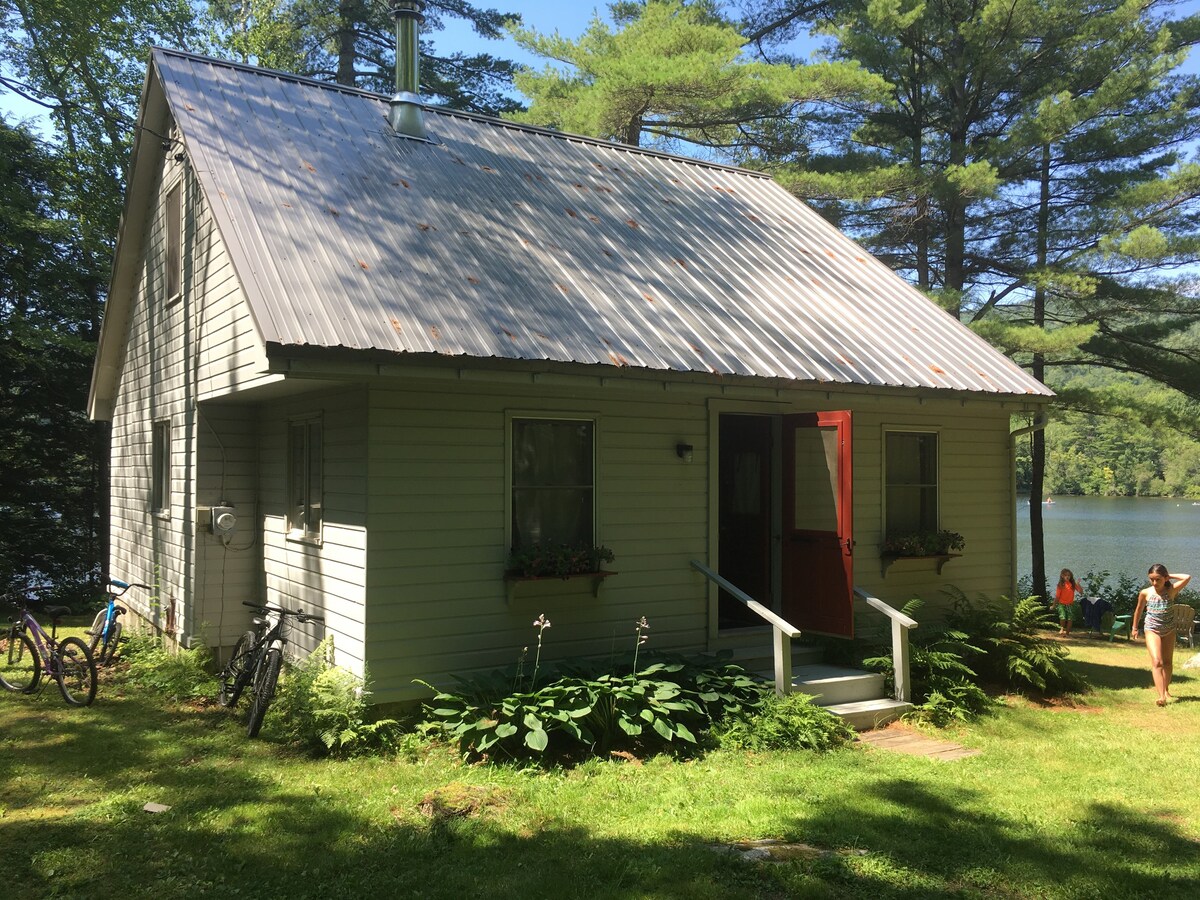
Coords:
55,611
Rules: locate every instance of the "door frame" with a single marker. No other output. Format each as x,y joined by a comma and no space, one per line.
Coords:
776,410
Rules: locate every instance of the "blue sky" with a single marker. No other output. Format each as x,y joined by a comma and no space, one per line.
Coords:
567,16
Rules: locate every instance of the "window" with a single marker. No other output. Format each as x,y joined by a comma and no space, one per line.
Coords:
911,476
174,223
160,465
553,488
304,479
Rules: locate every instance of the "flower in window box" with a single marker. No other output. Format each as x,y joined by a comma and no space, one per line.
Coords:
557,560
924,543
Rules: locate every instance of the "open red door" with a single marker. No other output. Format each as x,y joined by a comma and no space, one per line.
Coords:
818,533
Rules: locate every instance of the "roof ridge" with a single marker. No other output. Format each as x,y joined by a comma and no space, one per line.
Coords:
464,114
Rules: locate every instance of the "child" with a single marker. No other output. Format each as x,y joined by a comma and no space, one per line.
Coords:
1064,597
1160,634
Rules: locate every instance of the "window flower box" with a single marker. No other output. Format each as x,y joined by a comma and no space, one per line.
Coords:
935,545
556,562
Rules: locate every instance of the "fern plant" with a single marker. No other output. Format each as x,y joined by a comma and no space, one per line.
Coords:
1015,652
944,687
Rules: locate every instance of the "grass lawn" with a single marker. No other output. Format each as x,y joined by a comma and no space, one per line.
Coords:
1096,800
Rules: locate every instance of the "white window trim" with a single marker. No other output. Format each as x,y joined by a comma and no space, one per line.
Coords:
549,416
162,511
292,534
174,191
906,429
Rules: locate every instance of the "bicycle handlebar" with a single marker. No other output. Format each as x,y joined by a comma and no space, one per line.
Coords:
126,585
299,614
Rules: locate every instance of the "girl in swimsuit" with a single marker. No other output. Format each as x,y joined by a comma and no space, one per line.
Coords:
1160,636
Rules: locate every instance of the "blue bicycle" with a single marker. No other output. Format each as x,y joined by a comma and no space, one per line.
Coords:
105,632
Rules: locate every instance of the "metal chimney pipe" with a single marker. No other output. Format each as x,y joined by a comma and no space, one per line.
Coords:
405,113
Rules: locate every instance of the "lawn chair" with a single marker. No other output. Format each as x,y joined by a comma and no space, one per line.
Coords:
1114,625
1183,617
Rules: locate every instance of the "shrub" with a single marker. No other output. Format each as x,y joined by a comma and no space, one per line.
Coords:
176,674
665,706
784,723
324,708
1014,652
944,688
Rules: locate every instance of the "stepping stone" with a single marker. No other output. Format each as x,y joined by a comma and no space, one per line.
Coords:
901,740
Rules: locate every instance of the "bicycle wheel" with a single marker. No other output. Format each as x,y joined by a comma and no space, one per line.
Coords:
237,671
96,632
266,675
75,672
108,648
20,666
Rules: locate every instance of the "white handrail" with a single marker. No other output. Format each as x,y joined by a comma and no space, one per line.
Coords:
901,626
783,630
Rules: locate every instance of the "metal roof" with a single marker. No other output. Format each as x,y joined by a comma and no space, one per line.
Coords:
502,241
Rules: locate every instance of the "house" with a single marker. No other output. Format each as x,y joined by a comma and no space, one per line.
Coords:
349,364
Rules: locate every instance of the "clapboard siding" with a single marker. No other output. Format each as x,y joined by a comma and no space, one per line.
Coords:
177,352
436,530
328,578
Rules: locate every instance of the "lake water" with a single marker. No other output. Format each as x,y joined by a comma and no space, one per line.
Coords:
1114,534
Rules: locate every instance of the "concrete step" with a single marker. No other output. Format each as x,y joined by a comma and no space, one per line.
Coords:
831,685
863,715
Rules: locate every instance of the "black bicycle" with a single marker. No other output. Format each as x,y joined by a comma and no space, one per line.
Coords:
256,660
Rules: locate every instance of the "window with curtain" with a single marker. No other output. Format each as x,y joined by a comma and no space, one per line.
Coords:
160,465
553,483
304,479
911,477
174,241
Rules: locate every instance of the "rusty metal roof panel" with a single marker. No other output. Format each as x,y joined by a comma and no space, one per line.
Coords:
496,240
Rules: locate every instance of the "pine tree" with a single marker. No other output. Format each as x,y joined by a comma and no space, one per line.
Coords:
668,72
352,42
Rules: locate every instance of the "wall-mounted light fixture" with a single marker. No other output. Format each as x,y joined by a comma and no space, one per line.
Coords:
684,452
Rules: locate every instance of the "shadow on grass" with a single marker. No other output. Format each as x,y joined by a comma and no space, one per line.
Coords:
1110,852
236,828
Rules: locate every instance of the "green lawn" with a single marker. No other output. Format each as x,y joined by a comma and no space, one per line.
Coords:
1099,800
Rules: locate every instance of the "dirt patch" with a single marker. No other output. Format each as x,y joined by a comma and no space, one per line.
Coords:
1063,704
459,801
777,851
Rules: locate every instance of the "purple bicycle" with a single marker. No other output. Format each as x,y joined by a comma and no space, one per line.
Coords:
27,653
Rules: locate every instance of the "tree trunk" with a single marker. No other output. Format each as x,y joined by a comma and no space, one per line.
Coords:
347,33
1037,463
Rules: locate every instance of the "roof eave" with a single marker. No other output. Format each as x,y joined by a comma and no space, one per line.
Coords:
140,177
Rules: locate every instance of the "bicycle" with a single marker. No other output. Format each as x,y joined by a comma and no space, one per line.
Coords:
256,660
106,628
25,659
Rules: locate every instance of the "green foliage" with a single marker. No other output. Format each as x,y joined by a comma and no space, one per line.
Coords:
323,707
1094,450
792,722
944,688
1015,653
557,560
353,42
174,674
665,706
47,447
675,71
924,543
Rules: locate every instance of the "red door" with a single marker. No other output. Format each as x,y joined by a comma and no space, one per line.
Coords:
818,533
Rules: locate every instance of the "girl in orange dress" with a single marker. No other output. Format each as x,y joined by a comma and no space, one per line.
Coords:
1064,598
